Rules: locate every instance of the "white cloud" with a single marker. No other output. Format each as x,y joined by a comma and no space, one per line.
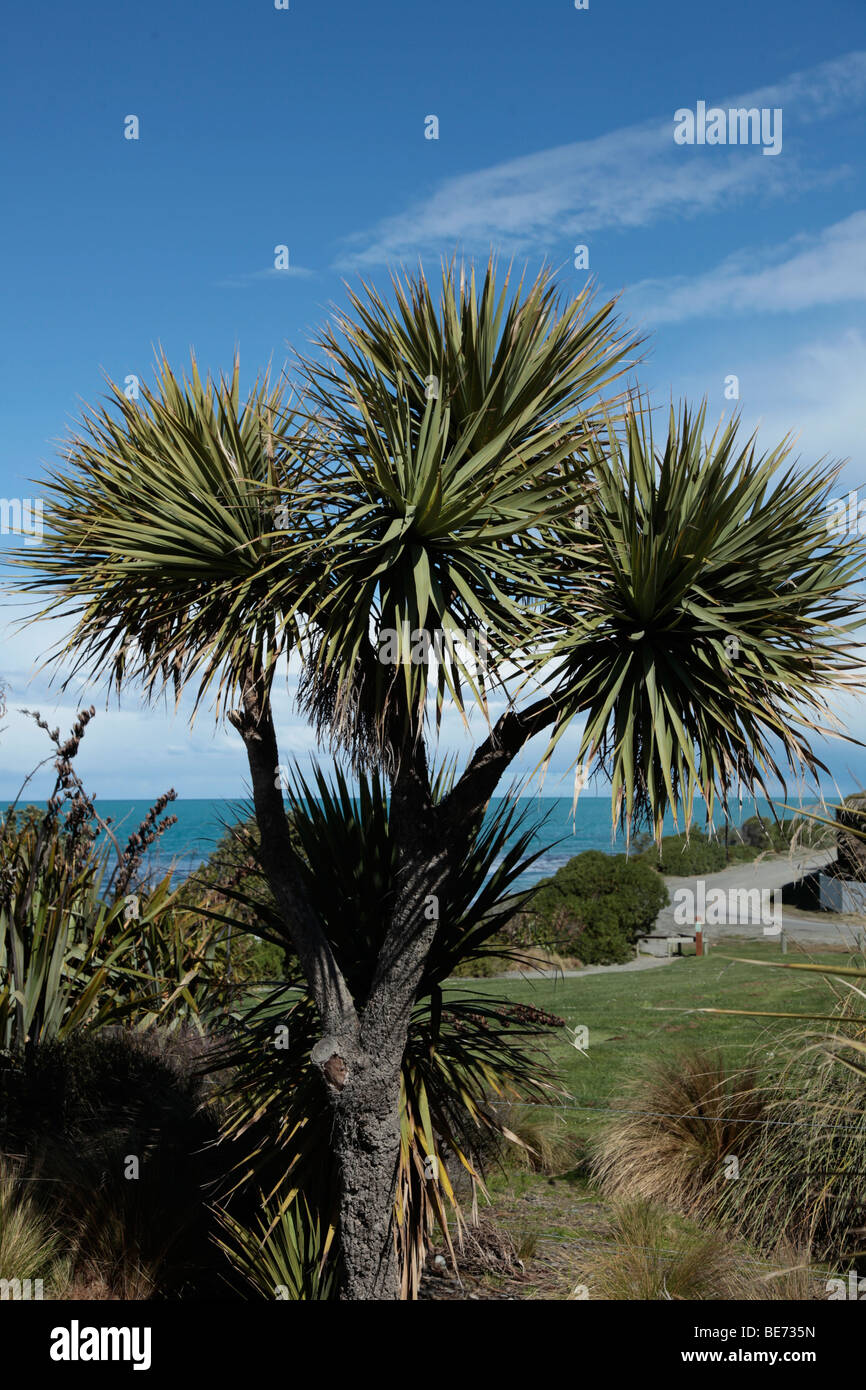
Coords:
817,390
627,178
813,391
253,277
130,750
804,273
817,93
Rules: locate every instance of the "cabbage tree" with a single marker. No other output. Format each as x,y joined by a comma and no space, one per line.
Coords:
454,509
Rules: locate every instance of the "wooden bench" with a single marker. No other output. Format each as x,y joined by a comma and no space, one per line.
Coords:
670,942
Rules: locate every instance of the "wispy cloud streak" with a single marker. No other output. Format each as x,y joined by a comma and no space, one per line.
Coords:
627,178
805,273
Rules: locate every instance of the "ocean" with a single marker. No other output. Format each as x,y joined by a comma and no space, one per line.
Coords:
558,834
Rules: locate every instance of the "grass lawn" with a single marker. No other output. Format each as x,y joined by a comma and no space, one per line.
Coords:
632,1015
556,1220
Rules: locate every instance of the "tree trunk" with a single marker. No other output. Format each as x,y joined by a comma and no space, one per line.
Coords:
367,1146
364,1083
360,1054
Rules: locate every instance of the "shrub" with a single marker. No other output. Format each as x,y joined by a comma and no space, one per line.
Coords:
739,853
765,834
594,907
488,968
82,943
30,1247
804,1174
539,1140
759,833
684,857
232,884
283,1255
76,1111
651,1255
680,1119
73,955
62,947
698,854
798,1139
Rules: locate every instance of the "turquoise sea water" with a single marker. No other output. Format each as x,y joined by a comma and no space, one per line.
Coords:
557,834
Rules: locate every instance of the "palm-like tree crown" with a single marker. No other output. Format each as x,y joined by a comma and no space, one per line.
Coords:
451,465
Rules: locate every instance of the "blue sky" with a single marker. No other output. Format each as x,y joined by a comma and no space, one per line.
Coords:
305,127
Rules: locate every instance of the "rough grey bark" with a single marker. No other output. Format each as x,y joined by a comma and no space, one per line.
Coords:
367,1116
366,1107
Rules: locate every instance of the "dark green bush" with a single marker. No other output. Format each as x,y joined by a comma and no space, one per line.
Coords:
700,854
488,967
763,833
741,854
684,857
73,1114
594,907
231,882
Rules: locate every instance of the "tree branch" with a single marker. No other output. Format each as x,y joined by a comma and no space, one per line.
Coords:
467,801
339,1017
428,840
421,868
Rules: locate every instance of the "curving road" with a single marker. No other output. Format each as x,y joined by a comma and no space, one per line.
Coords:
765,875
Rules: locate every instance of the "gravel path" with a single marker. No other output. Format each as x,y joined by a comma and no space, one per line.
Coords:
824,928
